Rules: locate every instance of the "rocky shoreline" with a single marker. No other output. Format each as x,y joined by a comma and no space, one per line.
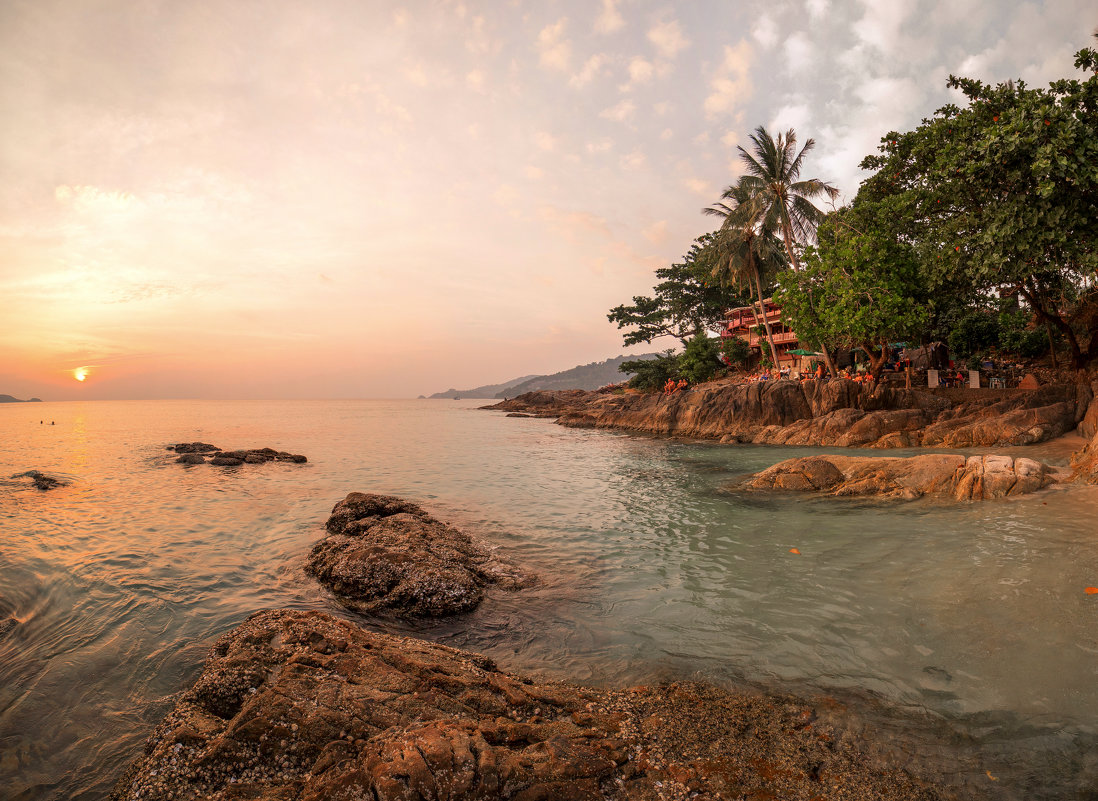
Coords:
837,413
303,705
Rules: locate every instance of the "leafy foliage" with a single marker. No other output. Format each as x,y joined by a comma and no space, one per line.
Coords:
1001,196
700,361
860,288
652,373
688,299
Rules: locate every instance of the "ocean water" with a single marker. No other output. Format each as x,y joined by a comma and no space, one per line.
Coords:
962,633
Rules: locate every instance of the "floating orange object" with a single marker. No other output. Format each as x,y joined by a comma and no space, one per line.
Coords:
794,550
1091,590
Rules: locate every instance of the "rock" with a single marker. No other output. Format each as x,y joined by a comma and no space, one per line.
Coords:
839,412
938,475
193,447
1029,381
383,553
519,414
223,458
302,705
41,480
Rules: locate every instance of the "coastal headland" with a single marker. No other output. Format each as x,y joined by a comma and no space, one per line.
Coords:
838,413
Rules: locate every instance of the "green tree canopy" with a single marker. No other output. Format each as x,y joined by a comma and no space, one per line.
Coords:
861,286
1002,197
687,301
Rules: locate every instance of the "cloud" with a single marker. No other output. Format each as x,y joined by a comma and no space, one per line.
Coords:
666,134
640,71
795,116
731,86
700,186
620,112
799,53
765,31
668,39
545,141
632,161
554,50
656,233
474,79
880,25
590,70
610,19
601,146
534,173
817,9
575,225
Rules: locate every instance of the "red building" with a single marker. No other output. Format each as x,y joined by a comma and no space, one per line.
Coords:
746,323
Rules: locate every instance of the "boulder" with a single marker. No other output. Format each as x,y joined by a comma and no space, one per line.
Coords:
303,705
191,453
936,475
192,458
386,554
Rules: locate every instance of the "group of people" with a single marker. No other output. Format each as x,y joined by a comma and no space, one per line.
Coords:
672,386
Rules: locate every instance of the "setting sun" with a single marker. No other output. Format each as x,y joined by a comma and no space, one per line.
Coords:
80,373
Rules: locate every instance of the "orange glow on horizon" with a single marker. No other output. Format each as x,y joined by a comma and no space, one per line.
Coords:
80,373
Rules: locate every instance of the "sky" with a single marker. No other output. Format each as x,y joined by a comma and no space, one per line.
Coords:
280,199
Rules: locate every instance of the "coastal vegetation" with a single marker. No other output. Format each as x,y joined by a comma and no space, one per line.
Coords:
976,228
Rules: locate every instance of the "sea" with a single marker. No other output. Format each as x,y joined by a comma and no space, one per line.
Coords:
960,635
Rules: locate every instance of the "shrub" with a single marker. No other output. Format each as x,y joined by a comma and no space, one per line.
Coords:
735,350
700,361
652,373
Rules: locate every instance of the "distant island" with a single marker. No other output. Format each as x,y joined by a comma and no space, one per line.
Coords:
10,399
585,376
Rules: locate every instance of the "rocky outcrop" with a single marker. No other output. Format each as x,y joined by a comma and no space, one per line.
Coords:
936,475
386,554
302,705
195,453
838,412
41,480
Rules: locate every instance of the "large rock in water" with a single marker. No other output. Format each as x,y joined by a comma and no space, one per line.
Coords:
940,475
302,705
383,553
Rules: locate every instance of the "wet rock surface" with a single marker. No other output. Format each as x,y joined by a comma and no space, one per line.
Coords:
386,554
41,481
196,452
937,475
838,412
303,705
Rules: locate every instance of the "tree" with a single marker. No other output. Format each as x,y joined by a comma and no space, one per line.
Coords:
747,250
861,286
688,300
1002,196
772,197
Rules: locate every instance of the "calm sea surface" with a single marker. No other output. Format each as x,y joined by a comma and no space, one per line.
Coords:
961,632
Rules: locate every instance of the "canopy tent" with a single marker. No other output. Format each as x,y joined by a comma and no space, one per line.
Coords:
803,352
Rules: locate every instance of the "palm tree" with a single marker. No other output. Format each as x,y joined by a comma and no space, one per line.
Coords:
746,252
771,196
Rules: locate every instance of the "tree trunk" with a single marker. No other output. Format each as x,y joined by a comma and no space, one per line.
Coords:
876,360
762,307
1078,358
1051,345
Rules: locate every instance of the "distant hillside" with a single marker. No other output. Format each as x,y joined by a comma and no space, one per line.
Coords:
586,376
10,399
487,391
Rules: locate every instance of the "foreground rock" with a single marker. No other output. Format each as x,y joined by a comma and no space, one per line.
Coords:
383,554
937,475
301,705
838,412
41,480
195,453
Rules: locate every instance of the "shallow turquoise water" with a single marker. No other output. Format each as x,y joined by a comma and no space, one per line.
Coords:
962,630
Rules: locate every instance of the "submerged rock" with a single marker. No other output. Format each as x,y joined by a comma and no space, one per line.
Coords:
192,453
41,480
383,553
302,705
940,475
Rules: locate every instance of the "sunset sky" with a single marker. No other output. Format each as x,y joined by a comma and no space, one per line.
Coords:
379,199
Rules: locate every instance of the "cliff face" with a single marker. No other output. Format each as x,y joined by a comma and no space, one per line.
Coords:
840,412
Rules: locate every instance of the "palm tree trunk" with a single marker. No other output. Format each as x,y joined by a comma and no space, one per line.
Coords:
762,307
787,236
